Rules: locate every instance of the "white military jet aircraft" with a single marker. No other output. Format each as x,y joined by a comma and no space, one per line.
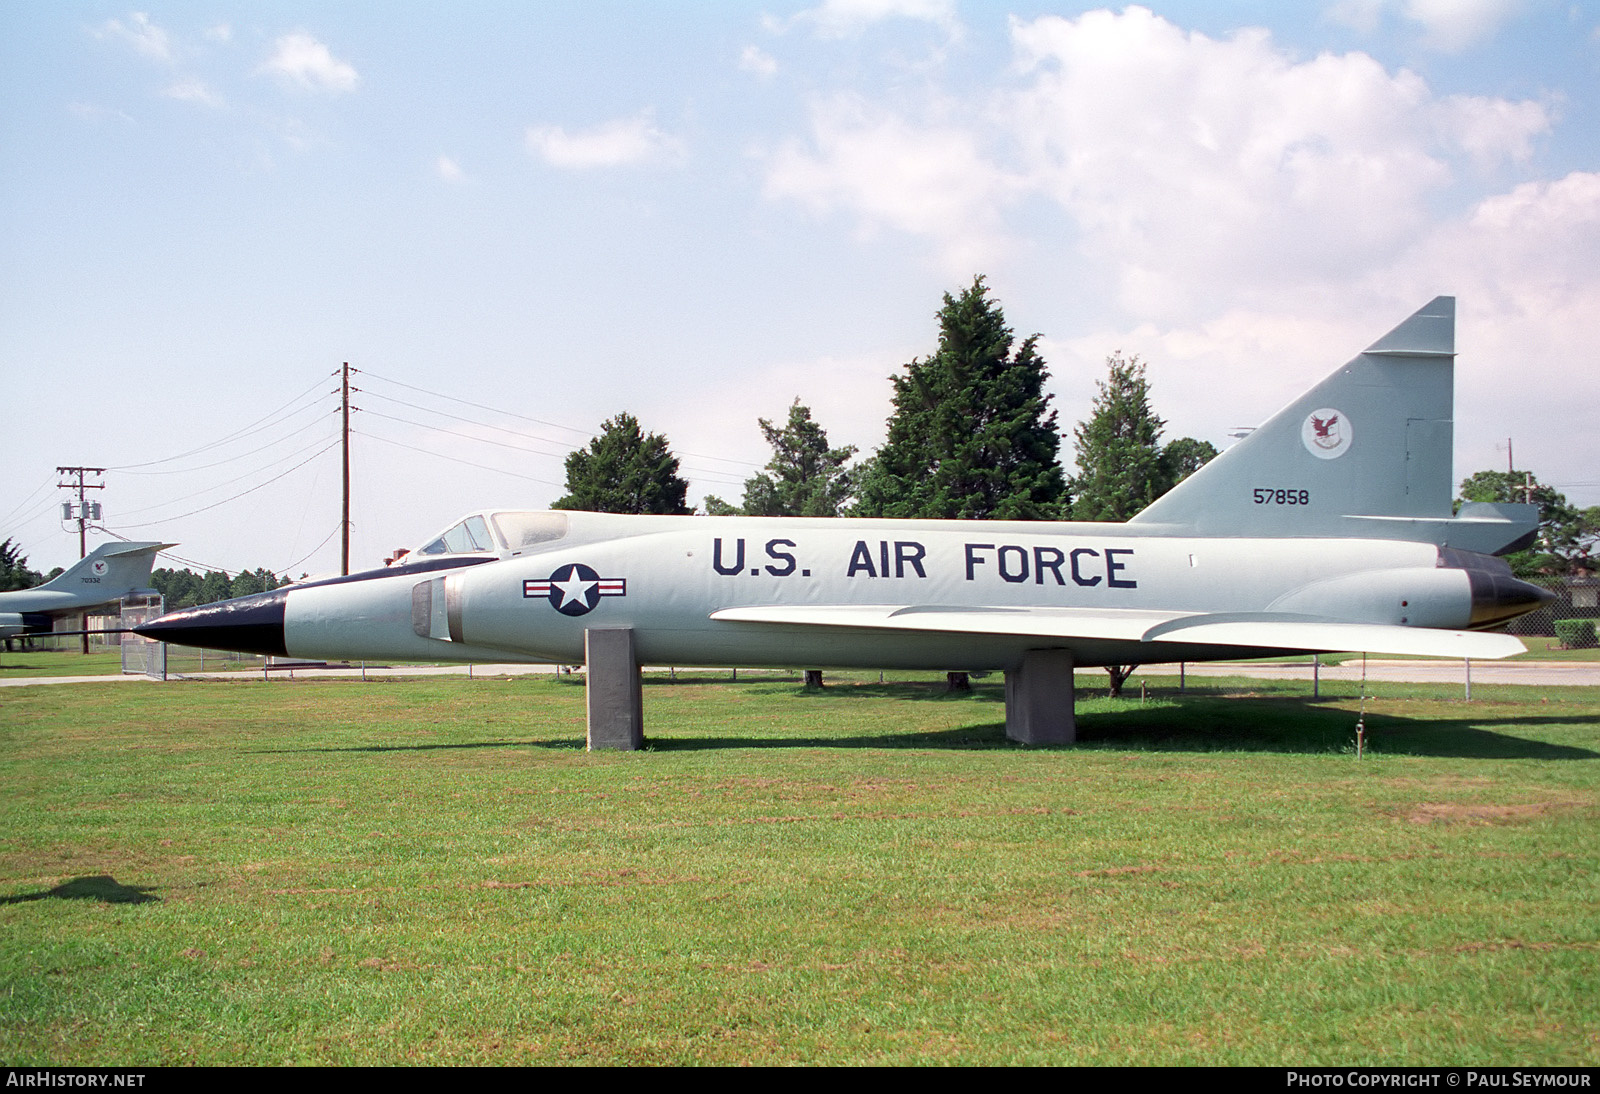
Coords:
1328,528
104,576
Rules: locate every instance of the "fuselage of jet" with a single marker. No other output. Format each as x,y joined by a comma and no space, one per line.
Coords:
892,594
1330,527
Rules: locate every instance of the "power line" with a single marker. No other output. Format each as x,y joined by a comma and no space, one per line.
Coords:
565,448
240,494
587,434
293,565
48,482
254,427
714,476
226,482
453,459
466,436
480,406
231,459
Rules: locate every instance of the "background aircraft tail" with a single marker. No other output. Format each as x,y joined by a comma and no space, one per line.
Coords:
1364,454
108,571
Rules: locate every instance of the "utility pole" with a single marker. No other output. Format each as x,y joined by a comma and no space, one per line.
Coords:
83,512
344,520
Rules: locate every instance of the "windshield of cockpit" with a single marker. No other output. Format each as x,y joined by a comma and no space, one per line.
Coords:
470,537
513,532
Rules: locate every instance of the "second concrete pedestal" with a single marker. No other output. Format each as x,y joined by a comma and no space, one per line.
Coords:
1039,708
613,689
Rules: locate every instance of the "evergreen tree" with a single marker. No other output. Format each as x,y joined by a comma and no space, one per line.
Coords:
1122,466
972,435
804,478
1119,447
1566,535
624,471
14,572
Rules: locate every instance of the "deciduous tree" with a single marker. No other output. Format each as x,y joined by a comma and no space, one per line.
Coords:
1566,536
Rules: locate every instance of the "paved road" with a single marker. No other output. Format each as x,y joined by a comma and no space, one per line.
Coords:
1527,673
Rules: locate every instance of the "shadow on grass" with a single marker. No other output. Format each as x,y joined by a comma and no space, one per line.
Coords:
1306,726
1197,724
1219,721
102,887
560,744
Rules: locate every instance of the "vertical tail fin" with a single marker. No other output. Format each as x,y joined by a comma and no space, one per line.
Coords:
108,572
1364,454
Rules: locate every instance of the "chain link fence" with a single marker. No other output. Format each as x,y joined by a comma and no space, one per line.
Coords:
1576,598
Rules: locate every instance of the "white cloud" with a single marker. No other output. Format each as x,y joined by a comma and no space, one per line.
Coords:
1190,161
222,32
192,90
845,18
300,59
90,112
449,170
139,32
755,59
924,178
1191,170
1525,268
1448,25
1453,25
1358,15
619,143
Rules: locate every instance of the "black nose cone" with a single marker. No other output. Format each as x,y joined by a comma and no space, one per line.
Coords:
249,624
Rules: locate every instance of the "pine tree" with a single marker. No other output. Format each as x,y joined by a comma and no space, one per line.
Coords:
804,478
1119,447
624,471
972,435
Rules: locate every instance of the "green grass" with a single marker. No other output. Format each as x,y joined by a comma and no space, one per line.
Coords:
36,663
434,871
102,662
1547,649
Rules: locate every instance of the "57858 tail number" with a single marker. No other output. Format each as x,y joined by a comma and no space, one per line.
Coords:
1266,495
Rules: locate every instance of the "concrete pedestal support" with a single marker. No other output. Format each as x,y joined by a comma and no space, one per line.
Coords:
614,692
1039,708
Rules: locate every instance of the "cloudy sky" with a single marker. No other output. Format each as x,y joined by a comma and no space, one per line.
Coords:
517,220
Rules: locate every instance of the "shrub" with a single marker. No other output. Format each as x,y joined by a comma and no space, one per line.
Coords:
1576,634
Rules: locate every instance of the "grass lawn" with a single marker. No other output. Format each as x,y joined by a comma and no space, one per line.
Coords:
1547,649
434,871
16,665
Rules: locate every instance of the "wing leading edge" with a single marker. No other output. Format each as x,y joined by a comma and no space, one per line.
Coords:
1234,629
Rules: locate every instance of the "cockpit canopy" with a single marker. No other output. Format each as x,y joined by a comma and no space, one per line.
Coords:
502,533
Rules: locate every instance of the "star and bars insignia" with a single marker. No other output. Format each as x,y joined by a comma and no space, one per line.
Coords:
575,589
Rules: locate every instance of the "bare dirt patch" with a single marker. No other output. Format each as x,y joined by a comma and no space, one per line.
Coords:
1458,813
